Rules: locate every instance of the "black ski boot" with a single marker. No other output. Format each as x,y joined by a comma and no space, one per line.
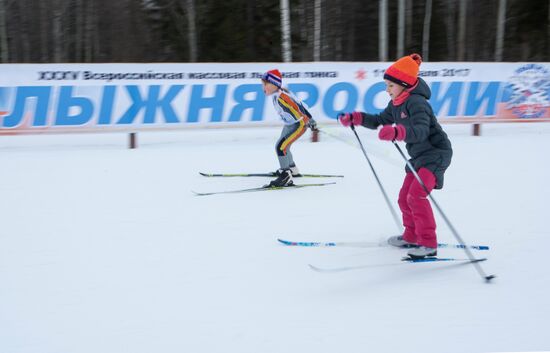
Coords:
283,179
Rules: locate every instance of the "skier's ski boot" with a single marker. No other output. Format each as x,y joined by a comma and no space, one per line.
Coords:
283,179
422,252
295,171
399,242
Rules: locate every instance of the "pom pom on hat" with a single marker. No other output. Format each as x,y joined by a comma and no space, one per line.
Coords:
404,71
274,77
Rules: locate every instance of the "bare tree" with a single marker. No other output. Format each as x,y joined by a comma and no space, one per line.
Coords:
409,22
285,32
4,50
426,30
338,31
500,29
192,31
383,30
79,30
317,31
400,28
461,30
89,30
58,35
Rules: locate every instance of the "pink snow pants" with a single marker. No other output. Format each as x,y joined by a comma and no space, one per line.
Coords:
418,217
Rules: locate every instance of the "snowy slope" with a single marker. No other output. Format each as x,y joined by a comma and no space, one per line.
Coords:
105,249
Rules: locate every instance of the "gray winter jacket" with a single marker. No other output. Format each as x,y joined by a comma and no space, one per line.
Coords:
427,143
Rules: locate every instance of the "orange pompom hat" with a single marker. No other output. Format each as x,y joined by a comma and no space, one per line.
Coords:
404,71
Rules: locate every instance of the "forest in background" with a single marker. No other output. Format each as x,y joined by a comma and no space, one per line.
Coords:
96,31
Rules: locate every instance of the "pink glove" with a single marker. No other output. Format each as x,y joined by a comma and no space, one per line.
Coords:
347,119
391,133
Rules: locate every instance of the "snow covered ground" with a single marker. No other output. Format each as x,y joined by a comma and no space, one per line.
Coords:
106,249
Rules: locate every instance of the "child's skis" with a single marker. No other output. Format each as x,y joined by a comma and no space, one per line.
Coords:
269,174
404,260
262,188
366,244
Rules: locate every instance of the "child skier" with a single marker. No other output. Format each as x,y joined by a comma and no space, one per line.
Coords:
410,118
296,119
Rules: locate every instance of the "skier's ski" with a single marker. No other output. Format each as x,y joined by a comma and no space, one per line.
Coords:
436,259
352,244
404,260
270,174
262,188
366,244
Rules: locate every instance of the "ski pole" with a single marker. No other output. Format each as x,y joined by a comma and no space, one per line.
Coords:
395,217
473,260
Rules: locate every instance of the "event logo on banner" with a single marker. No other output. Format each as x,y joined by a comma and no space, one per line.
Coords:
124,97
528,93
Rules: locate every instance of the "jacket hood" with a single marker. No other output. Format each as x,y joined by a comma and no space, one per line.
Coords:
422,89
